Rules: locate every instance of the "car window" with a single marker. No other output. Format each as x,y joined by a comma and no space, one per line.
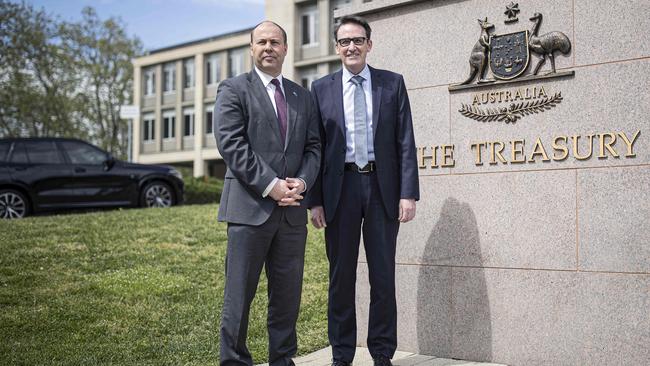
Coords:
18,155
4,150
42,152
81,153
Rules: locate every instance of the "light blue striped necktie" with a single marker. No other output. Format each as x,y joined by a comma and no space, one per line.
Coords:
360,126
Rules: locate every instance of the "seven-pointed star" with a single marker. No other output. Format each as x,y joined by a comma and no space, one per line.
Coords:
512,10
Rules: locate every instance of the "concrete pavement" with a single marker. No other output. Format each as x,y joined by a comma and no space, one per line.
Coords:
323,357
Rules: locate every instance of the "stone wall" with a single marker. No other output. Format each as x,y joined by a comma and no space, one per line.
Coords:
533,263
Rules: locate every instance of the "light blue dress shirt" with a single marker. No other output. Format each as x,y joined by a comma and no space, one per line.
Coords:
348,107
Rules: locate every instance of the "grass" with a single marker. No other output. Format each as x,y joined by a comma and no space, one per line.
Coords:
132,287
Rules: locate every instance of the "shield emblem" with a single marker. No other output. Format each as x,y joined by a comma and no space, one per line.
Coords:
509,54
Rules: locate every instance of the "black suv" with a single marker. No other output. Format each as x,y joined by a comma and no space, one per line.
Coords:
38,174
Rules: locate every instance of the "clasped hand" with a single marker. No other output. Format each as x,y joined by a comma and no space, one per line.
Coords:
288,192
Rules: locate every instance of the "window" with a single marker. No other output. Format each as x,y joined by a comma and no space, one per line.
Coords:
188,122
307,76
42,152
208,119
188,73
4,150
149,81
235,62
169,125
169,76
212,69
337,4
334,66
309,26
19,155
80,153
149,124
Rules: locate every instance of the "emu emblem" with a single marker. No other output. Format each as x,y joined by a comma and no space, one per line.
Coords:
509,55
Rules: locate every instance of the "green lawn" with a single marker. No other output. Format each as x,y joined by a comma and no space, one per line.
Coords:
131,287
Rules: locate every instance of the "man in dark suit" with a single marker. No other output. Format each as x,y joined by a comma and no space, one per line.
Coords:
368,183
267,133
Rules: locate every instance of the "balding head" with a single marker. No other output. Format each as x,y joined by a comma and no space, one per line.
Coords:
269,47
268,22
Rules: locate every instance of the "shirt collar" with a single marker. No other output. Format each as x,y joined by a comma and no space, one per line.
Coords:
266,78
347,75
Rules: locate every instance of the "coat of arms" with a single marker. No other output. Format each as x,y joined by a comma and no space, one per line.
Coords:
509,55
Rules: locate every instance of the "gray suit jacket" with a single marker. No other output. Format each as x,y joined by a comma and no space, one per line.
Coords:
248,138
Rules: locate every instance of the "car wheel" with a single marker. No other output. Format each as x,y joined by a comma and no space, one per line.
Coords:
157,194
13,204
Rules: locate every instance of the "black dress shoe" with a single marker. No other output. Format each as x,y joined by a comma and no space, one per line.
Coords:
341,363
382,361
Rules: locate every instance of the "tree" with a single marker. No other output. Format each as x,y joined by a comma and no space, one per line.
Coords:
102,52
65,78
38,84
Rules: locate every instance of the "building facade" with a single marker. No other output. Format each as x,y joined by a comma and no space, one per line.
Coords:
175,87
530,244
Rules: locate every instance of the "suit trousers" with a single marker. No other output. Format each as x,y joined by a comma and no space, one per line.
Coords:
280,249
360,209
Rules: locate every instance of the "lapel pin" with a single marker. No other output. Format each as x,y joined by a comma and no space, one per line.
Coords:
294,94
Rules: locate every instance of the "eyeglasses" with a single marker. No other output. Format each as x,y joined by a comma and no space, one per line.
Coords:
358,41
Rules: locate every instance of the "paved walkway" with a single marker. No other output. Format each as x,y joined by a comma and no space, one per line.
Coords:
362,358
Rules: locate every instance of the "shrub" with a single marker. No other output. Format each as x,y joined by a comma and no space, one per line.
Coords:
202,190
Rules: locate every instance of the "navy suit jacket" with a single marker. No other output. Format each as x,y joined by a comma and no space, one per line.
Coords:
248,138
395,156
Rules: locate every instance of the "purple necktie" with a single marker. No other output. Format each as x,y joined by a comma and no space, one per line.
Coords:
281,106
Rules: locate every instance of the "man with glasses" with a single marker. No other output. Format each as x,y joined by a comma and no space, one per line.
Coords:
368,183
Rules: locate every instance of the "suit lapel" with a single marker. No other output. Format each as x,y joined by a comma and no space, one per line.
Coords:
291,97
376,98
337,97
258,90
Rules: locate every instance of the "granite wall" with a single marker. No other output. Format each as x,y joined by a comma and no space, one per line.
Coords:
541,262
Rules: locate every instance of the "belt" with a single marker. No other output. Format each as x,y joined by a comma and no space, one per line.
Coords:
370,167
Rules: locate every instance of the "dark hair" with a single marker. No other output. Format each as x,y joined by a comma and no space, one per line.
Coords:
284,34
354,19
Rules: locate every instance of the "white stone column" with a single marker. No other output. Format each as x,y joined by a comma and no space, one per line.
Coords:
199,116
159,95
276,11
180,119
136,126
323,68
324,17
225,60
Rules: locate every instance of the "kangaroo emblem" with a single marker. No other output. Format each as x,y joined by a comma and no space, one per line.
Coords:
479,56
546,45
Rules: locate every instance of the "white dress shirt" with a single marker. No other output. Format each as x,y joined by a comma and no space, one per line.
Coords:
348,107
270,90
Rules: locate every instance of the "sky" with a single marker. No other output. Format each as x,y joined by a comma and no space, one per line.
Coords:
163,23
